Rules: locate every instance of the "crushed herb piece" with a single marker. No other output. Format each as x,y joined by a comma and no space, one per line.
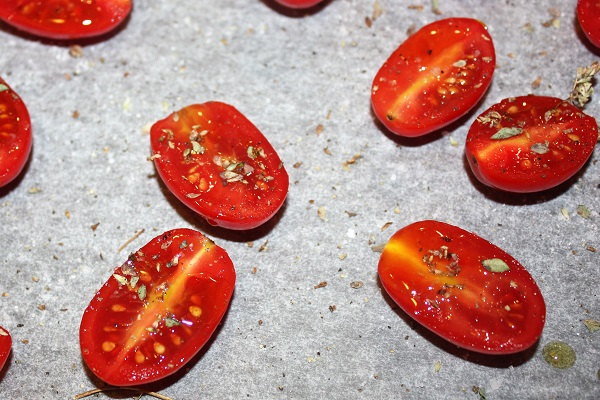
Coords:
495,265
505,133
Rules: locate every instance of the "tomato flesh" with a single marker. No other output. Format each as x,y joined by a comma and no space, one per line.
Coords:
219,164
435,272
436,76
64,19
158,309
299,3
5,346
588,14
548,142
15,134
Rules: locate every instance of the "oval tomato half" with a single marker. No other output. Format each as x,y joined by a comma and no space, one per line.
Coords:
299,3
5,346
15,134
64,19
220,165
158,309
436,76
588,14
530,143
463,288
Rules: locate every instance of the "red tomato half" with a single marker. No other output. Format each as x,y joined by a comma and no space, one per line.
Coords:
436,76
64,19
463,288
5,346
15,134
588,14
530,143
299,3
220,165
157,309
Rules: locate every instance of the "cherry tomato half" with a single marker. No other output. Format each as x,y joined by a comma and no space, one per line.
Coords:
15,134
463,288
299,3
5,346
436,76
588,14
64,19
530,143
158,309
219,164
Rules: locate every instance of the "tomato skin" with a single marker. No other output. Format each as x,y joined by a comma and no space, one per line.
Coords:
588,14
65,19
131,335
455,296
544,155
5,346
15,134
240,198
299,3
436,76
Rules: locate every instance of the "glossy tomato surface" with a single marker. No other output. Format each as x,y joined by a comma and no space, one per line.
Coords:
463,288
436,76
588,14
64,19
5,346
157,309
15,134
219,164
530,143
299,3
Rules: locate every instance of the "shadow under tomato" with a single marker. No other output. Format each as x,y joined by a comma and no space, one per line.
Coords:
67,42
515,199
488,360
161,384
294,12
202,225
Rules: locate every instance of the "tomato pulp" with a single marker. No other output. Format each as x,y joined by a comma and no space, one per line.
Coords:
65,19
463,288
436,76
5,346
299,3
15,134
158,309
220,165
530,143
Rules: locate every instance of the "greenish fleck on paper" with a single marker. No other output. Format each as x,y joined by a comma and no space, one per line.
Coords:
592,325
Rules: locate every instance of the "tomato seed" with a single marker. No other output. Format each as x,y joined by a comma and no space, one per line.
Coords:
159,348
139,357
108,346
195,311
118,308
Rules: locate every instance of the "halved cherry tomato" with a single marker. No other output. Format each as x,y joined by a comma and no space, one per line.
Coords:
436,76
15,134
299,3
64,19
463,288
157,309
530,143
588,14
5,346
220,165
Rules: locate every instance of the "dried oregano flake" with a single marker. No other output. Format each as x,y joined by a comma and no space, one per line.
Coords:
505,133
495,265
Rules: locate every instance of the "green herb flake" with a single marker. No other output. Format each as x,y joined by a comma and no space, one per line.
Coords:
142,292
495,265
3,88
505,133
583,211
121,279
183,244
592,325
133,281
540,148
171,322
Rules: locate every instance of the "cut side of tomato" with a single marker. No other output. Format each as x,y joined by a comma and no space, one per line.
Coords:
65,19
220,165
530,143
299,3
5,346
436,76
463,288
15,134
588,14
158,309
